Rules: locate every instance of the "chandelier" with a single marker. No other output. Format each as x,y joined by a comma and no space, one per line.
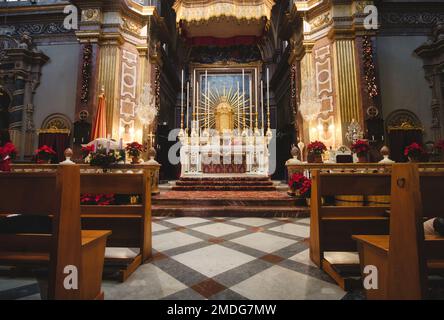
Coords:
146,110
310,106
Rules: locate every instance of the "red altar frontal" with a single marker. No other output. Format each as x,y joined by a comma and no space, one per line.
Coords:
226,165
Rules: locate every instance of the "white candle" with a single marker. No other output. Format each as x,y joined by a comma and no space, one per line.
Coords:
108,145
243,90
262,104
268,94
255,93
251,104
208,98
188,102
120,144
182,104
197,105
194,94
238,107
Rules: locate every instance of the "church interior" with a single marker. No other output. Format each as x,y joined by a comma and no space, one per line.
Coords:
221,150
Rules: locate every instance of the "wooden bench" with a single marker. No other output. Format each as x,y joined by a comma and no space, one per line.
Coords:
56,197
331,227
130,224
406,257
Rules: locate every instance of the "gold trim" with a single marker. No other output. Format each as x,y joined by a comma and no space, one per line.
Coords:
54,131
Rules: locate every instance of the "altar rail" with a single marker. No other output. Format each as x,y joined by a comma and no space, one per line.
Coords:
152,169
306,168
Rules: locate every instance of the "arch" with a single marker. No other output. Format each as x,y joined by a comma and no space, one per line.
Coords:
57,122
403,119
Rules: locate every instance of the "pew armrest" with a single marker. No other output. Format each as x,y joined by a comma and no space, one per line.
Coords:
380,242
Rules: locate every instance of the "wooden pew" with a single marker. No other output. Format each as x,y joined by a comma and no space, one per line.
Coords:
405,258
130,224
331,227
55,195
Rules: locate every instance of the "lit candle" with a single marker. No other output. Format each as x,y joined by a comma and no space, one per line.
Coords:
238,107
208,99
243,90
108,145
194,94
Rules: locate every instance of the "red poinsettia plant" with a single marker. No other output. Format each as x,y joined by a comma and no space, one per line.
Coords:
7,154
97,199
86,151
44,153
300,184
317,147
361,147
134,149
413,151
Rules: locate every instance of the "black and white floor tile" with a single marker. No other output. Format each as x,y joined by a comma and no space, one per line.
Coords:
217,258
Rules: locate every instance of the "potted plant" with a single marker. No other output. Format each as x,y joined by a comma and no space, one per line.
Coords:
44,154
300,186
361,148
315,151
413,152
7,154
104,158
135,149
439,147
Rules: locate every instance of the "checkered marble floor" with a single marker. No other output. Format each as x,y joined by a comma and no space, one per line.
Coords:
211,258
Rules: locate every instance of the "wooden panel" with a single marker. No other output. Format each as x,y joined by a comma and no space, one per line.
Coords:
337,234
358,212
111,183
125,232
27,193
432,194
25,242
355,184
113,210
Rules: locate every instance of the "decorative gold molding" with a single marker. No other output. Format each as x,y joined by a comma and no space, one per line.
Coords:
54,131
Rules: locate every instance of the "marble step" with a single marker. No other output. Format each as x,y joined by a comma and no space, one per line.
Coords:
234,201
224,183
225,178
230,211
224,188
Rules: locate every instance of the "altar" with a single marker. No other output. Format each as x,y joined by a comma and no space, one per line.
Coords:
225,130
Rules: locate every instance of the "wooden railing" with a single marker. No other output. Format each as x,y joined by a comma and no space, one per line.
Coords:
306,168
152,169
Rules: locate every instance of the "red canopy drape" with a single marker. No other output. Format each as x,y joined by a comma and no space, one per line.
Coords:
99,128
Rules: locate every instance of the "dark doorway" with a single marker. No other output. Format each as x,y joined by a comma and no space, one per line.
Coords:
5,102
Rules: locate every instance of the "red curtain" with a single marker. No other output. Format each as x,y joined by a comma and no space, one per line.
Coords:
223,42
99,128
58,141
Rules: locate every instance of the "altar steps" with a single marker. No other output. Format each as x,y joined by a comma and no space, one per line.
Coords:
224,184
227,204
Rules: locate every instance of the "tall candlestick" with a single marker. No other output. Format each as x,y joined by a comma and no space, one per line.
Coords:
238,108
243,90
197,104
208,98
262,105
182,103
255,95
268,97
251,105
188,103
194,94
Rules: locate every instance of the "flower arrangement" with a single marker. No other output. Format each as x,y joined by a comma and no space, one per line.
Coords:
98,200
361,148
104,157
135,149
317,147
7,154
300,184
413,151
44,154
